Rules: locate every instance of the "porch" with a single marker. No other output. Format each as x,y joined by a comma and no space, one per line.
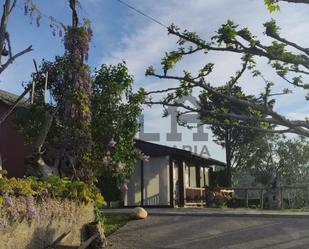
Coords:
194,196
192,177
172,178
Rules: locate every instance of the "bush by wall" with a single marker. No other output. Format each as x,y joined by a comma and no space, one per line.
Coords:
34,212
52,186
42,222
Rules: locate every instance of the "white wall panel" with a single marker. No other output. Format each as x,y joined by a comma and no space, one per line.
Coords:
133,195
156,181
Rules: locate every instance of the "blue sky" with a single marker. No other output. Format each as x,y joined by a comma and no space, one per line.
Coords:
122,34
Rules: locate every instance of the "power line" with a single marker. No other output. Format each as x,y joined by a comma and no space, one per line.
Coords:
143,14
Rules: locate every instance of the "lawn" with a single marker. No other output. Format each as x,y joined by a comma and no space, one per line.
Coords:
112,222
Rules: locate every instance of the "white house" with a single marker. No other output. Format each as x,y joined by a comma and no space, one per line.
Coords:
172,177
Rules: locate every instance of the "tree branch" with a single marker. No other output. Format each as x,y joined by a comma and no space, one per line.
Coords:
14,57
295,1
234,80
244,50
163,90
276,118
74,13
15,104
12,6
283,40
9,45
49,117
223,115
298,71
3,24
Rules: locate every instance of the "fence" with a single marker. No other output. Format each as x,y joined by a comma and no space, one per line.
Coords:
291,196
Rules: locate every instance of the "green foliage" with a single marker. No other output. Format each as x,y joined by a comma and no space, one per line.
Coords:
150,71
271,28
109,186
112,222
278,50
245,34
221,126
227,34
52,186
116,108
269,155
272,5
219,179
33,117
70,86
171,59
76,102
285,56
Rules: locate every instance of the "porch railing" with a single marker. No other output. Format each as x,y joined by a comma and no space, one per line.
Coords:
194,196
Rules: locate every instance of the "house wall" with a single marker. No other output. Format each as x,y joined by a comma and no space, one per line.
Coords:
156,184
12,148
156,181
133,196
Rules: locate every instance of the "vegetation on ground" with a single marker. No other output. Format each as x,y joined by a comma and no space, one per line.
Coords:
112,222
49,187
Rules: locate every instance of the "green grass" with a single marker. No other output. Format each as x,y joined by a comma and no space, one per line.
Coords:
112,222
297,209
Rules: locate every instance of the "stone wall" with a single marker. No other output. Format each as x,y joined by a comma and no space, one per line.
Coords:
50,220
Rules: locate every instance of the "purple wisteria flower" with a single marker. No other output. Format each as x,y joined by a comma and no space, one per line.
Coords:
124,185
31,211
105,161
4,223
112,143
8,201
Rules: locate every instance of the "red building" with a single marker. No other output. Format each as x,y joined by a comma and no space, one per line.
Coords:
12,146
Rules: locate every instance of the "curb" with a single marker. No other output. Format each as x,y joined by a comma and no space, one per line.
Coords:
266,215
304,215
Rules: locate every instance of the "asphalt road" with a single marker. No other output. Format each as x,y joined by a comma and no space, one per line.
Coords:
213,233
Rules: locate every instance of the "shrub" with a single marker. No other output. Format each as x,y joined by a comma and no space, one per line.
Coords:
109,187
217,198
30,198
52,186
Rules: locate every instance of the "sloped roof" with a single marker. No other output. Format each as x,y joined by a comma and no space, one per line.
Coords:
9,98
153,149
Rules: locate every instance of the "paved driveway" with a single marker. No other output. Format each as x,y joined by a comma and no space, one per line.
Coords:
213,233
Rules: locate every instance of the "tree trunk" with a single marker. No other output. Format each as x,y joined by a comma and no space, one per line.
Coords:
96,228
228,158
37,147
36,165
3,25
